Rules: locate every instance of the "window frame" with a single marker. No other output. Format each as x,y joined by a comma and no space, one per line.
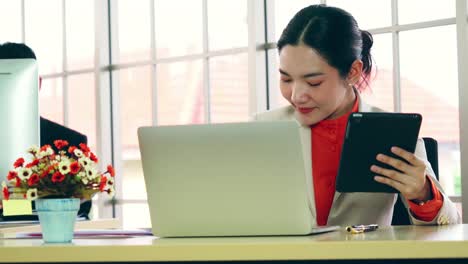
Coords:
261,73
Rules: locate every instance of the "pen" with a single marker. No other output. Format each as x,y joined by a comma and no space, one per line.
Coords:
356,229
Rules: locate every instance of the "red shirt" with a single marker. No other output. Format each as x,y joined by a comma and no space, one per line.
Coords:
327,142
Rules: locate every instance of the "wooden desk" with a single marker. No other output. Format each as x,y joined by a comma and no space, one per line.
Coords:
403,243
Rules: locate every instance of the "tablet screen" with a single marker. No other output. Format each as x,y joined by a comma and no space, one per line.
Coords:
368,134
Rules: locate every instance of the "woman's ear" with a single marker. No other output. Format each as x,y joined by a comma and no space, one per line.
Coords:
354,73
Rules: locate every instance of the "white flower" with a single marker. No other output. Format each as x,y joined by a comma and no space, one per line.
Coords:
85,162
41,154
84,180
49,151
44,153
64,166
78,153
31,194
57,158
91,173
24,173
33,149
111,191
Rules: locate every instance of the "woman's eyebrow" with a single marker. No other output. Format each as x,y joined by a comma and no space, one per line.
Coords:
308,75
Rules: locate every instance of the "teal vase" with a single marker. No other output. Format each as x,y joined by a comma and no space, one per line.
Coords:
57,218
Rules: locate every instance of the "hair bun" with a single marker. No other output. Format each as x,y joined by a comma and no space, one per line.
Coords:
367,42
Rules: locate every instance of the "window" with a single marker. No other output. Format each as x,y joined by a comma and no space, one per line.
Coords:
380,90
185,35
161,64
44,34
135,110
82,106
10,21
229,94
436,98
424,10
369,14
133,30
283,11
227,24
197,73
180,97
80,34
50,100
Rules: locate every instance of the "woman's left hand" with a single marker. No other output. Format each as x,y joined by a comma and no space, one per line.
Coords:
408,178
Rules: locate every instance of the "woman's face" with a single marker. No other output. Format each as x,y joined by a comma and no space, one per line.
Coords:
314,88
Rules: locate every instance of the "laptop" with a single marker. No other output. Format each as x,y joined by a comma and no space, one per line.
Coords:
234,179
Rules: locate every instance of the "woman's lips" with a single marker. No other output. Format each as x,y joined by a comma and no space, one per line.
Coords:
305,110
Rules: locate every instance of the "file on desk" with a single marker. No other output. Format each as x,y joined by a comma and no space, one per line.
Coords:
94,233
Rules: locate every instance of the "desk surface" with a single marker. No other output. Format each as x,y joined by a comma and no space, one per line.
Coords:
401,242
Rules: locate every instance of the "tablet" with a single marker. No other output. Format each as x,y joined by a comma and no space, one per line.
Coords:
368,134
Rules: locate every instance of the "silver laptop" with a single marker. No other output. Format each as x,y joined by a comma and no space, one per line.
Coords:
237,179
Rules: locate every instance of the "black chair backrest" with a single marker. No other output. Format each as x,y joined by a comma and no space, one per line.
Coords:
400,213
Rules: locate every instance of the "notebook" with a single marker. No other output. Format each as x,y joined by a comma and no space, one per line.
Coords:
235,179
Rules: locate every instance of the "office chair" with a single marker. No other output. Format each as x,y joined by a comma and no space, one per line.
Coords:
400,213
51,131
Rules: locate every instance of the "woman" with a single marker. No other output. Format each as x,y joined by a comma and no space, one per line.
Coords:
325,62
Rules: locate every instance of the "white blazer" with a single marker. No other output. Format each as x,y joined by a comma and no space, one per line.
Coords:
362,208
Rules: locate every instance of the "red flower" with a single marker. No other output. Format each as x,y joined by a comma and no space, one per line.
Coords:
18,163
102,184
18,182
45,147
111,170
32,164
59,144
6,193
58,177
33,179
45,172
93,157
84,148
75,167
71,149
12,175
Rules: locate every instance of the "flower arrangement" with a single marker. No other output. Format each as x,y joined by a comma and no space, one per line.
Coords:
65,173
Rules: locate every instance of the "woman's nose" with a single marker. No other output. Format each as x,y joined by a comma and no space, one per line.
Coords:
299,94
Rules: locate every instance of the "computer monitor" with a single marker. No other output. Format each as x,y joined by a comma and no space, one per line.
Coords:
19,110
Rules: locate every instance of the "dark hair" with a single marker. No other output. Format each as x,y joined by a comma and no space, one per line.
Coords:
335,35
11,50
